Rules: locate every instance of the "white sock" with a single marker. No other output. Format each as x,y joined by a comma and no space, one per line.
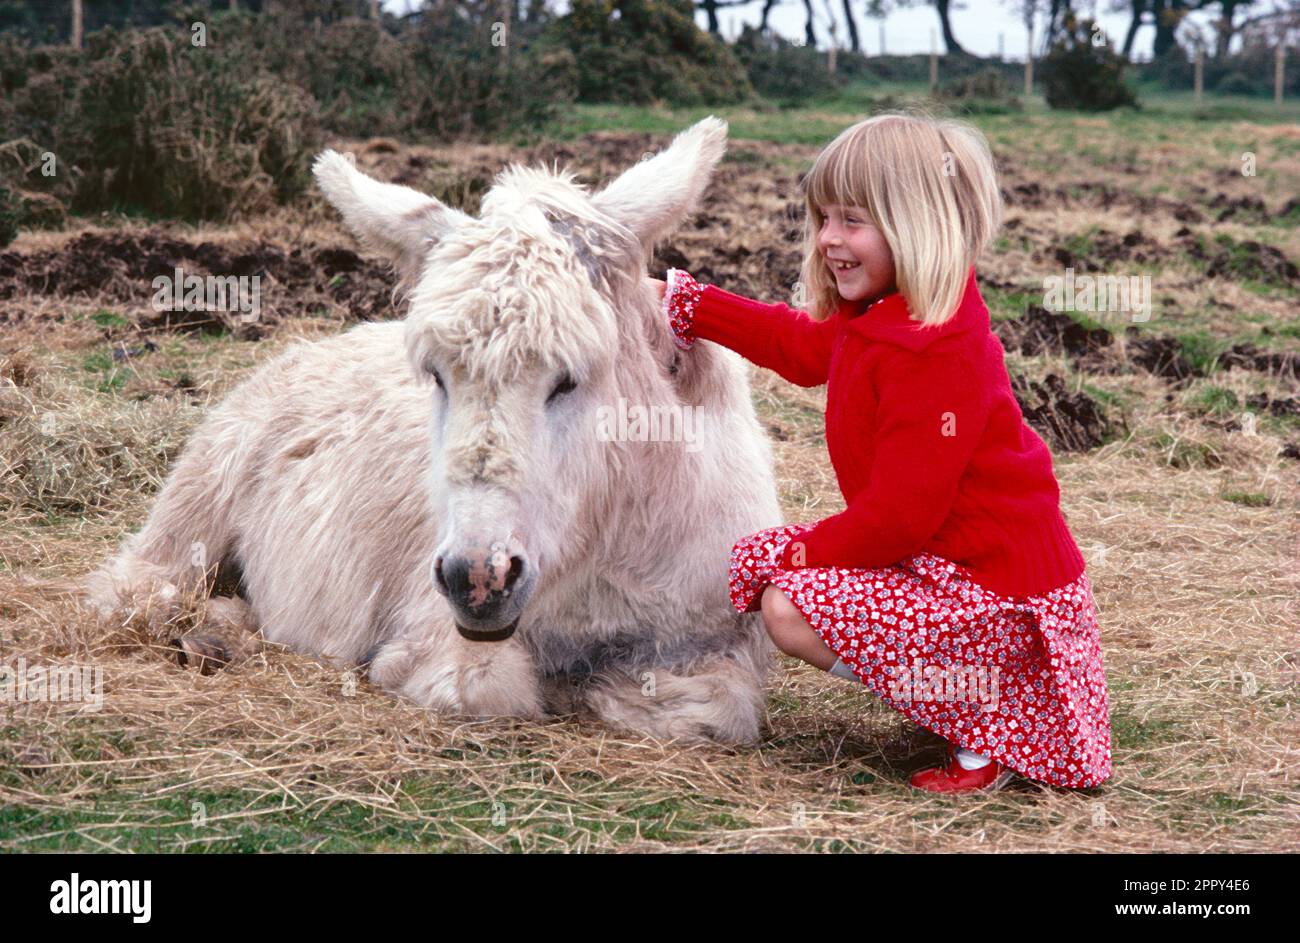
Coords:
841,670
969,760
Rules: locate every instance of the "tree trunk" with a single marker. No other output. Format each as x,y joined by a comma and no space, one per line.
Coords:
1139,7
854,43
809,35
949,40
1169,13
710,8
76,24
1226,29
767,8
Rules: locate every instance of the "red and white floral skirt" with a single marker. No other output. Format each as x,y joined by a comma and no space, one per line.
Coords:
1017,679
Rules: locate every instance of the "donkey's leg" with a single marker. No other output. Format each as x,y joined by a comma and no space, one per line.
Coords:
227,634
435,667
187,534
720,699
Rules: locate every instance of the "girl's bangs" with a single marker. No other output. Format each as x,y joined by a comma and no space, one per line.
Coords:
841,176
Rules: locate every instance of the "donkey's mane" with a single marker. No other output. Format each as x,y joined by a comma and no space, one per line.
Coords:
533,278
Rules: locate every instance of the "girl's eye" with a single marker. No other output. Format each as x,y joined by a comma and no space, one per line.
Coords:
566,385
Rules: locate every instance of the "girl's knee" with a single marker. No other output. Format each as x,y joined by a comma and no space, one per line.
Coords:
780,617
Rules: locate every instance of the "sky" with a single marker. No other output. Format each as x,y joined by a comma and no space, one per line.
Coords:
977,24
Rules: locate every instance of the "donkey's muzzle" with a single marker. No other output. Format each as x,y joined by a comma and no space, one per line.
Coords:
486,590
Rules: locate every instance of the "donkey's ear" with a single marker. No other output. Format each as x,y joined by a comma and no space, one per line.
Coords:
398,222
657,194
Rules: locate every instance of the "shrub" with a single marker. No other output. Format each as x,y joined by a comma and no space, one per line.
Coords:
1079,75
29,199
445,74
782,71
985,92
143,120
463,82
642,51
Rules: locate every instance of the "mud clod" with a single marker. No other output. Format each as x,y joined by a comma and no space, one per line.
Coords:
1070,422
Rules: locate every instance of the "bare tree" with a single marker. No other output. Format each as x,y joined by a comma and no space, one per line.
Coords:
855,43
879,9
711,8
809,35
944,8
1138,8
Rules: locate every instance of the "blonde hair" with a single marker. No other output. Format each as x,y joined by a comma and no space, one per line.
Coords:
928,185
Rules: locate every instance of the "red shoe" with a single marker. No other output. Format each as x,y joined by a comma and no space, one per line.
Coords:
954,778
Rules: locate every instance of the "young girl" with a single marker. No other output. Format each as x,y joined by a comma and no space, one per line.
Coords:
950,585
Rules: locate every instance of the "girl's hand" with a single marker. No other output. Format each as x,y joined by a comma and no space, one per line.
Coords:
660,286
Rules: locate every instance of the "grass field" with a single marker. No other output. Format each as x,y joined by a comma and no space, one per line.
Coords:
1177,445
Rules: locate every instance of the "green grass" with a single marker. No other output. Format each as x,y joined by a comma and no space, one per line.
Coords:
1201,350
109,319
108,377
1217,401
427,814
1165,115
1248,499
1009,304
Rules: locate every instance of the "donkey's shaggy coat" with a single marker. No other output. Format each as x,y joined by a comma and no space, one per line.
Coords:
407,494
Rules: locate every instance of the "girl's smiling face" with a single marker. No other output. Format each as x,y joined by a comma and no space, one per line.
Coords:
856,252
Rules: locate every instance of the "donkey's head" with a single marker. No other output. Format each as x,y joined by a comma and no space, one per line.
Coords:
523,322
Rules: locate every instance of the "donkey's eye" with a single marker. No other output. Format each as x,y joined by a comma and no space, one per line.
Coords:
566,385
432,371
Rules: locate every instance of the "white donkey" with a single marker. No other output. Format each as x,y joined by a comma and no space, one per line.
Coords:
458,500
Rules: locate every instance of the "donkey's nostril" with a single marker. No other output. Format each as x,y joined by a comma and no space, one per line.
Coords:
516,568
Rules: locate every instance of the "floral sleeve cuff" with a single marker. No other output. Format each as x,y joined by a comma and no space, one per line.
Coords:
680,298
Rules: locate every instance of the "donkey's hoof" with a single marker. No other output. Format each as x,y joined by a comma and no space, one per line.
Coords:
208,653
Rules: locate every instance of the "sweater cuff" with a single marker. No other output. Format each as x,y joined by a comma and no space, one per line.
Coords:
680,300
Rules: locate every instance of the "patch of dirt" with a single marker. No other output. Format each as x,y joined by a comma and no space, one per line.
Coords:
1040,331
119,267
1109,248
1239,260
1242,209
1162,356
1096,194
1250,357
1070,422
1285,406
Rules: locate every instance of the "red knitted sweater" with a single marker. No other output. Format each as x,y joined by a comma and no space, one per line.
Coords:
928,443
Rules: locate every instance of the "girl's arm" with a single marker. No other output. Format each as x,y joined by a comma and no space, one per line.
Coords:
932,411
774,336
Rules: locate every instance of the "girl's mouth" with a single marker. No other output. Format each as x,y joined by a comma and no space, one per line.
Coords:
841,267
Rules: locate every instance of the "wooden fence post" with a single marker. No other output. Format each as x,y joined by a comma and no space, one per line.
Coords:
934,64
1029,64
1279,58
